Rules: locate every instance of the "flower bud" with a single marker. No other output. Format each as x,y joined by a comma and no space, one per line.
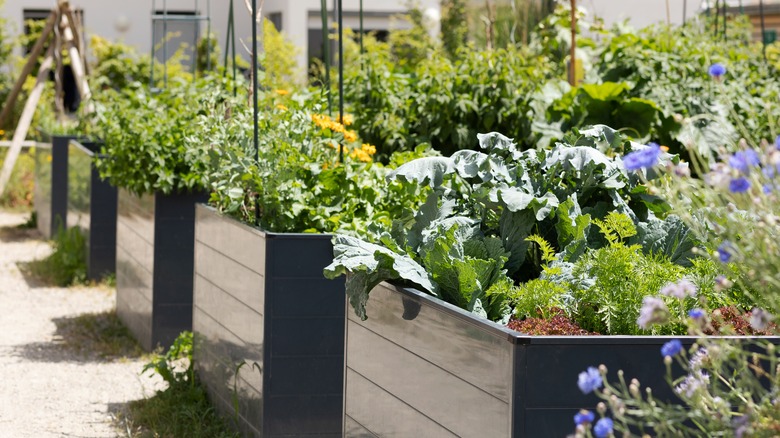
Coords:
601,408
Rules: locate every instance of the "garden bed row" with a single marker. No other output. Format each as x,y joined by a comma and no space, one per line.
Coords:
279,351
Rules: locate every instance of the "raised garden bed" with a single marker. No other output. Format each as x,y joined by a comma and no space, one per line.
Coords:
51,184
421,367
92,206
154,255
261,300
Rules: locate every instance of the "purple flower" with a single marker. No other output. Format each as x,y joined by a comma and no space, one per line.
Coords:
767,188
777,142
671,348
717,70
583,417
696,313
589,380
603,428
739,185
653,311
760,318
681,289
721,282
643,158
744,160
724,252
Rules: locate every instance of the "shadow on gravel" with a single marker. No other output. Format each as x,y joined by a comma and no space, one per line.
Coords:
33,280
18,233
91,337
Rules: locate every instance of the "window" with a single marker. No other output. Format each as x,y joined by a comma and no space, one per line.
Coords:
770,36
276,19
34,20
176,33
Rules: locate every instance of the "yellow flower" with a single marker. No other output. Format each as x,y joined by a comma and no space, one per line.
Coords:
369,149
48,158
282,92
2,132
347,120
350,136
336,127
281,107
360,154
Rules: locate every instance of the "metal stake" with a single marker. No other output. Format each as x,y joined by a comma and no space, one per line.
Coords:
341,73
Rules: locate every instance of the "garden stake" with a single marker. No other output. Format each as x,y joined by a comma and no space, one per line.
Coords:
763,27
572,59
685,10
668,14
231,38
254,101
341,73
326,52
28,67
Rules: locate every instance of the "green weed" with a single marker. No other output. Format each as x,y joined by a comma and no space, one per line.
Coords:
67,264
182,409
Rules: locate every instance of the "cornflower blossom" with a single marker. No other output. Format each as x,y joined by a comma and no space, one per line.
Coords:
739,185
717,70
744,160
653,311
643,158
589,380
696,313
671,348
724,252
682,289
603,428
583,417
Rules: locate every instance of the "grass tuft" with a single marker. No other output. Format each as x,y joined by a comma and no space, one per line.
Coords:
100,335
182,409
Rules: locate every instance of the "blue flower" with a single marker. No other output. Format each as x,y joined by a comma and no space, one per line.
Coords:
696,313
671,348
767,188
777,142
724,252
643,158
739,185
583,417
717,70
744,160
603,428
589,380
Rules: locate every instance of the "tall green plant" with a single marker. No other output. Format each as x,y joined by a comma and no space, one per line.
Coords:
454,26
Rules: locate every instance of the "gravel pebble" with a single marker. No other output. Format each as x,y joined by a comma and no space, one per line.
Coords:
45,390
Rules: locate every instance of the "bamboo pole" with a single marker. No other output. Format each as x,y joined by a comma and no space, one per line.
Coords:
28,67
573,50
24,122
76,65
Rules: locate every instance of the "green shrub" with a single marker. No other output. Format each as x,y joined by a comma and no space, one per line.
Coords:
67,264
18,193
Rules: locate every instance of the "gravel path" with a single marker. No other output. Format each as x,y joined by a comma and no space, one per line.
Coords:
45,389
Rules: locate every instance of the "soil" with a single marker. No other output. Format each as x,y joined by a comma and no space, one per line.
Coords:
48,388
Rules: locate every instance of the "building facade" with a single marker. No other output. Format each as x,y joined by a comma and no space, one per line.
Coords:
139,23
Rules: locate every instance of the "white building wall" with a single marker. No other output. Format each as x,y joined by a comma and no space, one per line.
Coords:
106,17
640,13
